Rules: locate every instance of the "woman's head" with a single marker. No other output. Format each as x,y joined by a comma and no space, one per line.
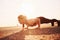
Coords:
22,19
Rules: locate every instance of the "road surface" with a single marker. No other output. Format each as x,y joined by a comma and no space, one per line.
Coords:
35,34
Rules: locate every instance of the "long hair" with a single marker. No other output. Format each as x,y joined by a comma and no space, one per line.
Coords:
21,19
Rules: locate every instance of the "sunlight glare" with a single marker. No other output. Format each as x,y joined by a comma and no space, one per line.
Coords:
26,9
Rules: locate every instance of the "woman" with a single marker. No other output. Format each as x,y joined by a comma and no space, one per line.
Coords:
31,22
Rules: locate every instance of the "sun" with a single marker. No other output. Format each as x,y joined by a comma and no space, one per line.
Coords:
26,9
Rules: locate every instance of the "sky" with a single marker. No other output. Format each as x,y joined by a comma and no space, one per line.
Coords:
10,9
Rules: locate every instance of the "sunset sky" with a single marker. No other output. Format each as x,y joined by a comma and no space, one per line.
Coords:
10,9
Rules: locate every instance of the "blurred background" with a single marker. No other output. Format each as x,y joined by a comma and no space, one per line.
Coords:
10,9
